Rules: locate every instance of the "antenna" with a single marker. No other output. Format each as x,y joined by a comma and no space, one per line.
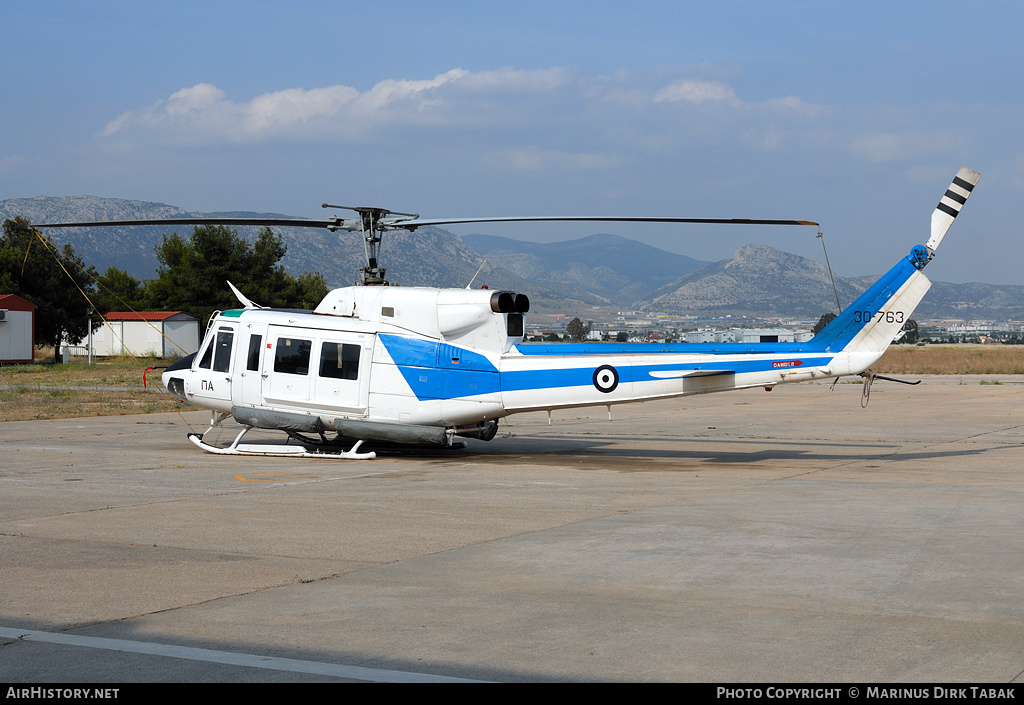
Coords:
482,263
821,236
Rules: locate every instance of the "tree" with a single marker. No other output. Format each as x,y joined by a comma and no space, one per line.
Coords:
193,274
54,279
117,290
577,330
822,322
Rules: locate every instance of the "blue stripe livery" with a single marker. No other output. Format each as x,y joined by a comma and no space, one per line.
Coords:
838,334
436,370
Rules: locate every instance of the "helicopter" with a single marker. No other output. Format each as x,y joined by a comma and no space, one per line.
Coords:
416,367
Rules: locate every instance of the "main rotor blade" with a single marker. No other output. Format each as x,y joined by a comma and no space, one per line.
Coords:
282,222
390,224
594,218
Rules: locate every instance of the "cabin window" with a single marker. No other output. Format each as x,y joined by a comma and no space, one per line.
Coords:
222,355
388,311
255,345
207,358
291,356
514,325
339,361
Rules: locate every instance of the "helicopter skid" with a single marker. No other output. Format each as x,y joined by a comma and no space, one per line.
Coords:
279,450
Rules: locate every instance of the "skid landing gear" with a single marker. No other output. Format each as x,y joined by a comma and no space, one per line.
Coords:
302,450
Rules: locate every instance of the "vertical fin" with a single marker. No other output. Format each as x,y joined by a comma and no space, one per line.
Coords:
871,322
890,317
949,207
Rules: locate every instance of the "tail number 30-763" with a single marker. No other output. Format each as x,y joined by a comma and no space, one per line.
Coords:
887,316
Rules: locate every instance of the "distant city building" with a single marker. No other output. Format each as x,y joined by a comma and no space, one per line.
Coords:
769,335
709,335
747,335
977,329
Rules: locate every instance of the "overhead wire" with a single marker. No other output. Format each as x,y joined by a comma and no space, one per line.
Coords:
52,249
821,236
95,280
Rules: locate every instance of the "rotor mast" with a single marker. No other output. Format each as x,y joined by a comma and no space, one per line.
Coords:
372,223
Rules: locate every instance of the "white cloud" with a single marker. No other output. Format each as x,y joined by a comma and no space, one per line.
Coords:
693,91
510,80
696,92
205,112
793,104
274,112
553,119
391,91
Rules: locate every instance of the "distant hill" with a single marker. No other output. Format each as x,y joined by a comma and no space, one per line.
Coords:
765,282
600,269
758,280
605,269
973,301
430,256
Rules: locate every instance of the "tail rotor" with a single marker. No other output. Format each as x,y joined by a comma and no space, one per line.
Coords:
950,204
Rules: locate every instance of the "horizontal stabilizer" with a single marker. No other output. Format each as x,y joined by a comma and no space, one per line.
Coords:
672,374
949,207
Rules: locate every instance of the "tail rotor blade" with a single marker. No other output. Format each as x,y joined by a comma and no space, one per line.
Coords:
949,207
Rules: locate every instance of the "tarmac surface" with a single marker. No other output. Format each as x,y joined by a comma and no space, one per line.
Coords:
782,537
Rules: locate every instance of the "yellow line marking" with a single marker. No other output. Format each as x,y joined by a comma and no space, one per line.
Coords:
270,477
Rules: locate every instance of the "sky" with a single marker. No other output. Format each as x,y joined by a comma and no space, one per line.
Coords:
854,115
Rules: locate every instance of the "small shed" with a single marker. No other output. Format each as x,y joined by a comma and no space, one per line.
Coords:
160,333
17,329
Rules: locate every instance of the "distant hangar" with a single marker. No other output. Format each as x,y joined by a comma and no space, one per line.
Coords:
157,333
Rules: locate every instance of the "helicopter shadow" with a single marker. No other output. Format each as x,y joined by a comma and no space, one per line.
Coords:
704,450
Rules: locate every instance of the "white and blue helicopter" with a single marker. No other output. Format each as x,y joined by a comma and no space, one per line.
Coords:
423,367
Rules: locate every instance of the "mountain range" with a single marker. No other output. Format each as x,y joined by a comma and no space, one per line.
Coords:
599,270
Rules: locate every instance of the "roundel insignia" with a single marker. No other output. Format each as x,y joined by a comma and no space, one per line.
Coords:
606,378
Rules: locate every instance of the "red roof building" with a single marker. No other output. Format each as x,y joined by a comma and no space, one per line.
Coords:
141,333
17,329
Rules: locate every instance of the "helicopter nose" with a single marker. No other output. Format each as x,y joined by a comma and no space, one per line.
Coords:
174,376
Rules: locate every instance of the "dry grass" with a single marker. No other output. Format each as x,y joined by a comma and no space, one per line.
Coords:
110,387
962,359
113,386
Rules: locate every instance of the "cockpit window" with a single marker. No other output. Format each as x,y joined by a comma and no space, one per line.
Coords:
222,358
207,358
